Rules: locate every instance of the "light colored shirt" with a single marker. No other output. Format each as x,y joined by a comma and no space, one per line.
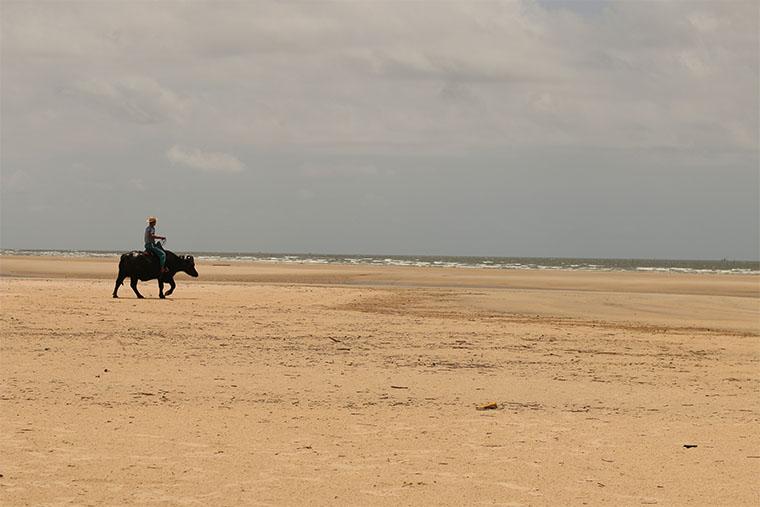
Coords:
150,231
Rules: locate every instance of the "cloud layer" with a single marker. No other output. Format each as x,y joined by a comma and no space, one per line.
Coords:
634,74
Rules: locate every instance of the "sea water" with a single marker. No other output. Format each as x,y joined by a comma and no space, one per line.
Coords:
432,261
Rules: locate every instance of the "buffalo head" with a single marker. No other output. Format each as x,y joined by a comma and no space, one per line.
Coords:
187,263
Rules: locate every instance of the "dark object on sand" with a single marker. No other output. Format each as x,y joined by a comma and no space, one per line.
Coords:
142,266
488,406
689,446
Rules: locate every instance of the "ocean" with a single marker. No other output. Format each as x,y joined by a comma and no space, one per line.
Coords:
662,265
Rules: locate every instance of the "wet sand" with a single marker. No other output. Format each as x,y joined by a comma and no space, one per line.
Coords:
287,384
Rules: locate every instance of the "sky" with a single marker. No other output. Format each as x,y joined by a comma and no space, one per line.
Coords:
621,129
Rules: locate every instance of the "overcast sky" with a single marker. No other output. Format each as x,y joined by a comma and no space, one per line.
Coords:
532,128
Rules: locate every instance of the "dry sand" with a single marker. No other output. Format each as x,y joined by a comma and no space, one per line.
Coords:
294,384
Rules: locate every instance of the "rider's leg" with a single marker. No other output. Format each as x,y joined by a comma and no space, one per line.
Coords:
161,257
158,252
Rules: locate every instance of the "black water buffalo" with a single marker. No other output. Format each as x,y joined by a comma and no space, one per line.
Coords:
141,266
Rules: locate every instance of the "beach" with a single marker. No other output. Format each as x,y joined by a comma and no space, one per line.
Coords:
272,384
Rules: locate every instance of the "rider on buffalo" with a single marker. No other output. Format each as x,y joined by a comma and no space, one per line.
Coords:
151,245
154,262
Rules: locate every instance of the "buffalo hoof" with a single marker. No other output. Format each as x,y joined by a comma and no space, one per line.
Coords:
140,297
162,296
115,296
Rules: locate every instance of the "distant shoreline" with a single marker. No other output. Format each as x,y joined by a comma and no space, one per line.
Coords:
725,266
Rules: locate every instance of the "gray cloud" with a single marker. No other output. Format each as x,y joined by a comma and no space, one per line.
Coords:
136,99
204,160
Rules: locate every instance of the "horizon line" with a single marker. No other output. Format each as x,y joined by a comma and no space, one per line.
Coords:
333,254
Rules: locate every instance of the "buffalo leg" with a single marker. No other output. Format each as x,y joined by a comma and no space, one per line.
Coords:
119,281
133,284
161,288
171,283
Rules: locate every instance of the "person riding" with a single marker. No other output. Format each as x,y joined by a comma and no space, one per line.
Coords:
151,245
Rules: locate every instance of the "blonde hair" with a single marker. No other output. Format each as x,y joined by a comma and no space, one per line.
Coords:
151,219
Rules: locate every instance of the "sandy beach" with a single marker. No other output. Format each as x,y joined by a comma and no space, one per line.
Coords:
276,384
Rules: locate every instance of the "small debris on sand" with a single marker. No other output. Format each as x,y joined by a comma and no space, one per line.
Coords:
488,406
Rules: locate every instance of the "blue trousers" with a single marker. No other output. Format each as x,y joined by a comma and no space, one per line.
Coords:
150,247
